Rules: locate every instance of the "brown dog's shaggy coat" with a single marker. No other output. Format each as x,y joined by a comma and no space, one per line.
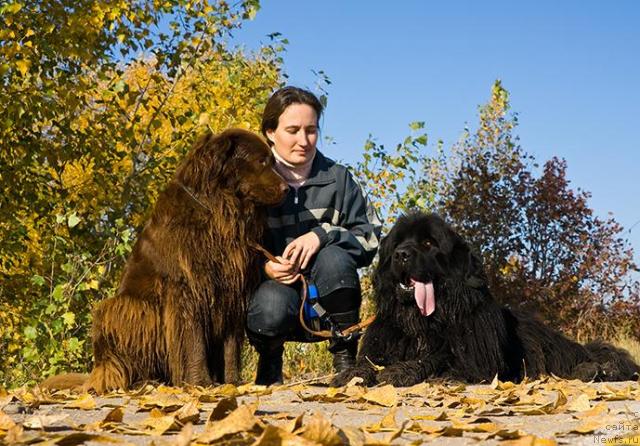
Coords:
178,316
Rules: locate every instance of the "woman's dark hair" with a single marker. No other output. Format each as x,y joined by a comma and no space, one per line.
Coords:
283,98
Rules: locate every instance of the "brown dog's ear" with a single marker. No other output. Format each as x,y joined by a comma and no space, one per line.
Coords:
205,163
468,264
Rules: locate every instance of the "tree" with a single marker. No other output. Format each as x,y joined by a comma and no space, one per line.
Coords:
99,101
542,245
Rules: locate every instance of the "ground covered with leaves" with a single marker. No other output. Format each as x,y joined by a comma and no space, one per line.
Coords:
542,412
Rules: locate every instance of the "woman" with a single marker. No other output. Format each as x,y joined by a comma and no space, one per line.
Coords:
323,230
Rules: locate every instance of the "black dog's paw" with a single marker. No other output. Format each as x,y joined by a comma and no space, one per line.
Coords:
367,374
399,376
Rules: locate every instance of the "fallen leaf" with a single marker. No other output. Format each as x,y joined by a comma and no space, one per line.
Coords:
442,416
274,436
336,392
294,424
389,420
530,440
588,426
397,433
320,430
385,396
116,415
450,431
6,422
354,435
159,423
580,404
596,411
84,402
43,421
15,435
227,390
387,423
189,413
184,436
5,397
254,389
473,426
241,419
506,434
418,389
78,438
161,400
224,407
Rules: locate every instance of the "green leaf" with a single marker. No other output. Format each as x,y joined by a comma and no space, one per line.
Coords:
11,8
30,332
58,292
69,319
37,280
73,220
119,86
73,344
51,308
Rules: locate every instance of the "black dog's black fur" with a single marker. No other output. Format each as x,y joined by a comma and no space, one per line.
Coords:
469,337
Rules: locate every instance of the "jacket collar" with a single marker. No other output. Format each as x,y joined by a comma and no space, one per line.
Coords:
321,172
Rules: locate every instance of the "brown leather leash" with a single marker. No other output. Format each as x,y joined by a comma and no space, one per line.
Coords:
360,326
321,333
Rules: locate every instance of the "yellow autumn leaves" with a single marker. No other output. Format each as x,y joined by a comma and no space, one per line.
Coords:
100,104
543,412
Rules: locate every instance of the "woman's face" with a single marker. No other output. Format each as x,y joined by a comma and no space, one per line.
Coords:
296,136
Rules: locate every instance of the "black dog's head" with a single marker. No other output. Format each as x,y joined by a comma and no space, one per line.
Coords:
419,253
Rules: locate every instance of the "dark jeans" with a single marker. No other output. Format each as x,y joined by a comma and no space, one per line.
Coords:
274,307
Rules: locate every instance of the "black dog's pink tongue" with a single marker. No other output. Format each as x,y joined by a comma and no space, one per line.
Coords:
425,297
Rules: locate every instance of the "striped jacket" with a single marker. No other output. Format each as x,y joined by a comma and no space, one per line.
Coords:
331,204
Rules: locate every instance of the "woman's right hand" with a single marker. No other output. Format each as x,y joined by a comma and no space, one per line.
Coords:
284,272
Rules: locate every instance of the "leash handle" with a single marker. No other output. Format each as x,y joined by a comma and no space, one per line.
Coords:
266,253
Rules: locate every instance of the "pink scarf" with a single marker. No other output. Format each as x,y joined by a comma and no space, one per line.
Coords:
295,176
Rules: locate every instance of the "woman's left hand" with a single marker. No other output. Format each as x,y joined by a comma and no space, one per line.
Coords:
301,250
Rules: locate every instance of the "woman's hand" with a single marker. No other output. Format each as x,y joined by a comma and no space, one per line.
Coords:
301,250
284,272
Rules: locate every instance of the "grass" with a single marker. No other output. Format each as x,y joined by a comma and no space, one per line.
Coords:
629,344
300,361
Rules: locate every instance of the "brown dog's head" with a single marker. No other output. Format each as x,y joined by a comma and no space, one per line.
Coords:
235,160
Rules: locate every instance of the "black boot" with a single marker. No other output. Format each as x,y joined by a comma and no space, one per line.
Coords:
344,351
270,351
270,367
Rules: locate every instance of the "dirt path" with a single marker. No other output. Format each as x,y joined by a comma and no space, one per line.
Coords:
539,412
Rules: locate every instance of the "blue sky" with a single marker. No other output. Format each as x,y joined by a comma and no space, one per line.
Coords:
572,68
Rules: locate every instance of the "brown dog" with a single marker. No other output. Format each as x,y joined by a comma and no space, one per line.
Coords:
178,316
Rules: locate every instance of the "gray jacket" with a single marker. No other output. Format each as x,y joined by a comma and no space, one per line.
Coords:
332,205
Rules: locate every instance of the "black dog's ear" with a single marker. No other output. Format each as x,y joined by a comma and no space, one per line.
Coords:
468,263
384,253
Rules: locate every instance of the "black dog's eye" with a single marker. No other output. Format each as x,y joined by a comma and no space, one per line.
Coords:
427,244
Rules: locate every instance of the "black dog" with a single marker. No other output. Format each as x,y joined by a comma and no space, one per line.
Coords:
436,318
